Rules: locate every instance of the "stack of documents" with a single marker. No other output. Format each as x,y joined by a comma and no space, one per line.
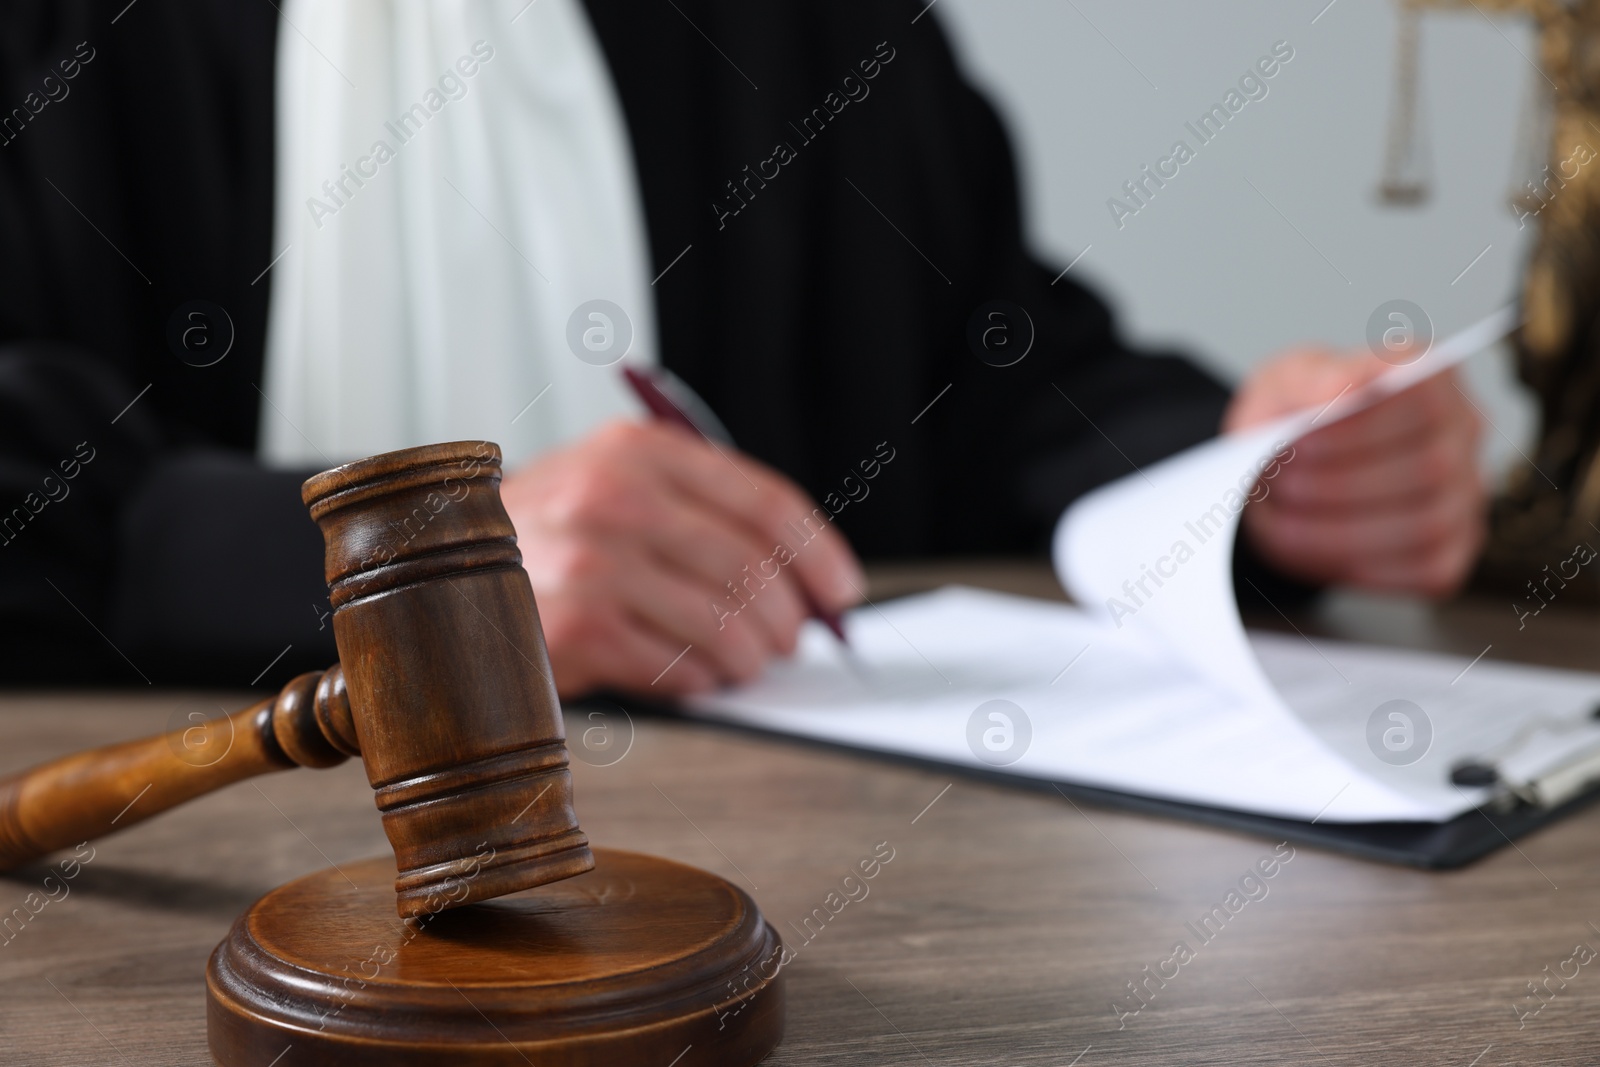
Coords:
1153,687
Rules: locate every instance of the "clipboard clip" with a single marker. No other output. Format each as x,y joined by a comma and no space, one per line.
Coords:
1552,786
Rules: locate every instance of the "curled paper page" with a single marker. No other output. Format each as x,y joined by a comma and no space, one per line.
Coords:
1152,553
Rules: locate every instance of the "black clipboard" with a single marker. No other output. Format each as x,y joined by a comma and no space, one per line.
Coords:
1427,845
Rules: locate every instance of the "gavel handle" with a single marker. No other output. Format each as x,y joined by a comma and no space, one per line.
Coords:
91,794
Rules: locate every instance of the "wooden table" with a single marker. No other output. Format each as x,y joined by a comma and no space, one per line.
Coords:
1002,931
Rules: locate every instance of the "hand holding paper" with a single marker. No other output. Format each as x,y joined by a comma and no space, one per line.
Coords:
1389,499
1168,530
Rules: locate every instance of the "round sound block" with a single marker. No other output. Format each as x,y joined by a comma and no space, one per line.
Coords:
640,961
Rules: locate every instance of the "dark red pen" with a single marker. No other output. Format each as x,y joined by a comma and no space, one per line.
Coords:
654,390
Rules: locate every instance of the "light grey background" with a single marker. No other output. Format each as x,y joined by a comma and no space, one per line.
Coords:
1272,235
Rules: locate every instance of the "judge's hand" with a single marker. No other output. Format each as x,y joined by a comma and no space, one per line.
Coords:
1390,499
631,537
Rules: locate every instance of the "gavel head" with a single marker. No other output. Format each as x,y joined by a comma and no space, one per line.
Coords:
450,688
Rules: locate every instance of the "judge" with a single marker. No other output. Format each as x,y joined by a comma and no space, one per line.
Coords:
241,246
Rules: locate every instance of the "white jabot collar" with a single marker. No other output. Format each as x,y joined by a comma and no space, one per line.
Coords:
454,181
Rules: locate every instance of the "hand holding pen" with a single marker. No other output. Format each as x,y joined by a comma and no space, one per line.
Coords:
671,401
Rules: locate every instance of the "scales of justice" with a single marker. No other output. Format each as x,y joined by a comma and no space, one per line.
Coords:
493,934
1552,502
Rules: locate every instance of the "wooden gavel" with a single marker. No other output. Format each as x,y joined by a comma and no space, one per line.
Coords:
443,689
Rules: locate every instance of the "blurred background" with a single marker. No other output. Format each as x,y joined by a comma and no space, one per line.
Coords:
1094,89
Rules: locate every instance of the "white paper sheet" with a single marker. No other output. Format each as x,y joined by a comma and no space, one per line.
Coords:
1104,709
1333,687
1154,687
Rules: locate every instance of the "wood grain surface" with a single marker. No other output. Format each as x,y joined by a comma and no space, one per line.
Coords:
1002,931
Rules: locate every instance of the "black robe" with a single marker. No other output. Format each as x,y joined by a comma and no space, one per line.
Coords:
826,238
